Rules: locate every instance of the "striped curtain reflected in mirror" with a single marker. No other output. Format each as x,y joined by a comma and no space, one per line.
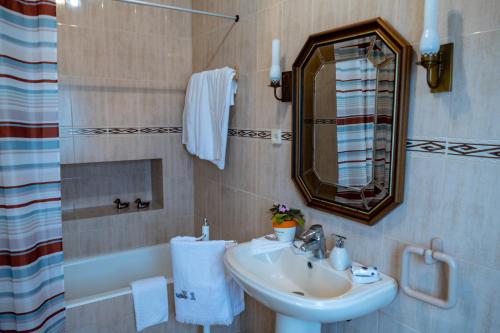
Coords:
31,257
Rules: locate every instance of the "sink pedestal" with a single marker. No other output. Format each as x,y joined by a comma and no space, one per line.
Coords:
286,324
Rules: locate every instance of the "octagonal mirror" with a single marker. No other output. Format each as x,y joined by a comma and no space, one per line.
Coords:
350,116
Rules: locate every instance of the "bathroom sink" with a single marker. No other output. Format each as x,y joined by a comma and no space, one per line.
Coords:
305,291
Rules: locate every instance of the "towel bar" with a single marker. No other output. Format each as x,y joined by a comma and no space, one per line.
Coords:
431,256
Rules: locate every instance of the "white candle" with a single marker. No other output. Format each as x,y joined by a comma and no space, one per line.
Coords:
429,43
275,72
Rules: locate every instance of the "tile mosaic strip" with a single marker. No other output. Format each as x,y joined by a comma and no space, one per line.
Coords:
130,130
467,149
88,131
124,130
474,150
321,121
155,130
287,136
161,130
326,121
175,130
426,146
258,134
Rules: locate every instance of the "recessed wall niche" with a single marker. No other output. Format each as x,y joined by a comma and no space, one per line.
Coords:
89,189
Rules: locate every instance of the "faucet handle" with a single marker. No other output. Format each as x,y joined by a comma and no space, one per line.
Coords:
315,231
307,235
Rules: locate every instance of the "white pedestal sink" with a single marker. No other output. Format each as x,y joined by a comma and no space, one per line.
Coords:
304,291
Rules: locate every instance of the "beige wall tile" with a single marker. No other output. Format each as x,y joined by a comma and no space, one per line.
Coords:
85,148
120,103
64,93
88,102
479,16
387,324
121,53
478,303
248,43
240,170
270,113
239,215
269,169
67,150
268,28
88,13
296,26
243,114
469,218
120,16
475,92
328,15
151,54
419,217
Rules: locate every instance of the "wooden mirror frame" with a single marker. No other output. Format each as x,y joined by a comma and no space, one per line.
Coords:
403,52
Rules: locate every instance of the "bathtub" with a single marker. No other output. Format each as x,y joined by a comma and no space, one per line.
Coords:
103,277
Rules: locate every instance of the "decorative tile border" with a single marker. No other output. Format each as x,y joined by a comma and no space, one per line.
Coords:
426,146
130,130
325,121
87,131
155,130
121,131
474,150
287,136
320,121
258,134
467,149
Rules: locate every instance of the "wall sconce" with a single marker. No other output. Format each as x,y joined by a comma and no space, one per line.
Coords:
435,58
280,79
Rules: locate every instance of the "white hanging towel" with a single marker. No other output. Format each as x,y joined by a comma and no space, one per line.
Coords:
204,293
209,97
150,302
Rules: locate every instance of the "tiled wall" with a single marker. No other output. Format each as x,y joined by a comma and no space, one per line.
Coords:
453,162
123,70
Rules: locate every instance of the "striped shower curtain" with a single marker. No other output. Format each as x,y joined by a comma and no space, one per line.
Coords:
31,257
356,85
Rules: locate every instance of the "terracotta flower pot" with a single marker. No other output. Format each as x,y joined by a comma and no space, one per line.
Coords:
285,231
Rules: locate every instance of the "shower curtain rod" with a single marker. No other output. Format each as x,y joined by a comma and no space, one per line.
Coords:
236,18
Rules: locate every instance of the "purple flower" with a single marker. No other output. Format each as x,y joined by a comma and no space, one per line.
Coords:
283,209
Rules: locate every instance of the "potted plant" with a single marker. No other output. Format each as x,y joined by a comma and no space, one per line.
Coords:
285,221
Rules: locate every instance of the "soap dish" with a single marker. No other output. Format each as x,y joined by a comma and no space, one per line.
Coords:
364,275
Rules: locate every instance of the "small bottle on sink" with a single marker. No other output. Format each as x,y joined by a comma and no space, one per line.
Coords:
339,258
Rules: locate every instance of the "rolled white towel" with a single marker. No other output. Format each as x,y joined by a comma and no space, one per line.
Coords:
265,245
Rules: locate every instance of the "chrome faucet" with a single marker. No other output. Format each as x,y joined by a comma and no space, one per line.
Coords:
314,240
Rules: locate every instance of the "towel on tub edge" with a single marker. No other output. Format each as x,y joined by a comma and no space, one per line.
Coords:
204,293
150,301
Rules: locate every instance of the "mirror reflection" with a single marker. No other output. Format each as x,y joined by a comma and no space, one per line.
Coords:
348,103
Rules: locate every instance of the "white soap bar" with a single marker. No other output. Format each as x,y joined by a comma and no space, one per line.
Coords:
365,279
364,270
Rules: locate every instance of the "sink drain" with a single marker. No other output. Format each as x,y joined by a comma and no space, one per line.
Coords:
300,293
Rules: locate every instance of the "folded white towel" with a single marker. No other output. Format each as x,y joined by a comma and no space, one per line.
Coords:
264,245
150,302
209,97
204,293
